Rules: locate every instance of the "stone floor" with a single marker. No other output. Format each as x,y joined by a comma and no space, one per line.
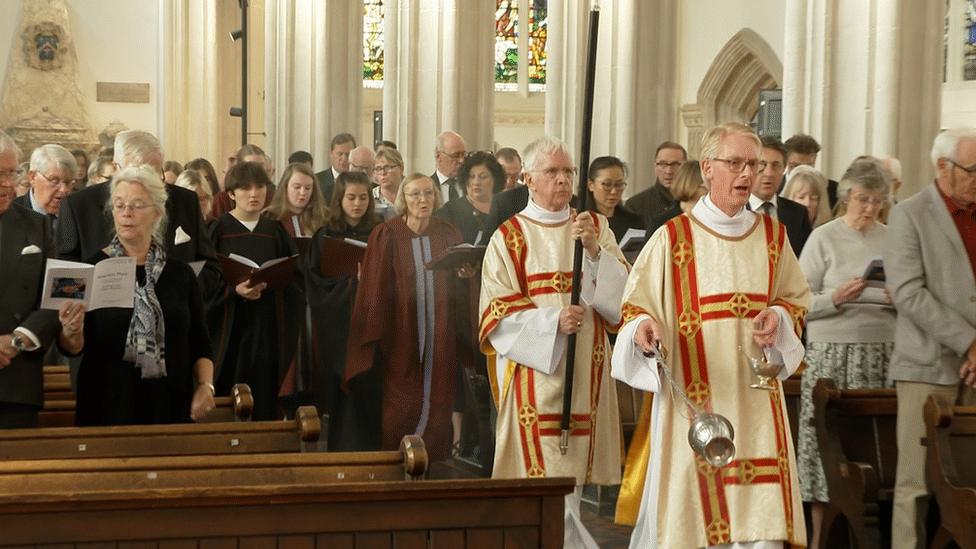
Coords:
604,531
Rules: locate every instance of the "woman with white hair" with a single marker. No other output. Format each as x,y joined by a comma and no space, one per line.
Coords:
151,363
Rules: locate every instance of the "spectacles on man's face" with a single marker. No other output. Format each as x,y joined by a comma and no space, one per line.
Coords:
663,165
458,156
970,170
9,175
738,165
137,206
57,181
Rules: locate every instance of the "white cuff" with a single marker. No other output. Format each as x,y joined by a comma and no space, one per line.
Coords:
628,363
31,336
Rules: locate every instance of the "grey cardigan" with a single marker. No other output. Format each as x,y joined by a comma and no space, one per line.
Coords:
931,282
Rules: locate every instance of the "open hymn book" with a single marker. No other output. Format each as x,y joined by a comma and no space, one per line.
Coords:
109,283
277,273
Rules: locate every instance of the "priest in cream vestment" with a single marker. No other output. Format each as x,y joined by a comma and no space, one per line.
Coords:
526,316
706,283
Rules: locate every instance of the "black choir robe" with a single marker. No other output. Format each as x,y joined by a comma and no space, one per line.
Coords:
255,342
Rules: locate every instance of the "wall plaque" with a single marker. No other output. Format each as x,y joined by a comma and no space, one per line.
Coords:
121,92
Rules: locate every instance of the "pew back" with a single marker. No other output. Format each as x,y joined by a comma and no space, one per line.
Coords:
951,451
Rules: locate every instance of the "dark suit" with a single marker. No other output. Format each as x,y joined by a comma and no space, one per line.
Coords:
458,188
21,383
508,203
85,226
326,180
797,220
651,203
23,201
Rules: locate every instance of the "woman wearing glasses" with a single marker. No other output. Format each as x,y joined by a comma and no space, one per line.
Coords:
151,363
481,177
851,324
388,174
607,181
402,325
255,329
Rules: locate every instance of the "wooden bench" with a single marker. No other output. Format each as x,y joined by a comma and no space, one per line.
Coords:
59,401
857,439
951,452
209,471
471,513
297,435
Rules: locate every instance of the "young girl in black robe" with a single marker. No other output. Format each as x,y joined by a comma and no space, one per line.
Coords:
351,215
254,328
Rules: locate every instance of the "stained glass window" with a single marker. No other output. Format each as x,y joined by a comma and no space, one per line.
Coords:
506,45
538,29
969,51
373,43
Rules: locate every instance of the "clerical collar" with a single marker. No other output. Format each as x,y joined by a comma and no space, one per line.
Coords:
715,219
537,213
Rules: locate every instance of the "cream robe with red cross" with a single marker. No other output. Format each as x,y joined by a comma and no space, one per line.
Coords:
528,266
704,289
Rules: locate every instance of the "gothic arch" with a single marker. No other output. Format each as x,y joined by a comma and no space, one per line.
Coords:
730,89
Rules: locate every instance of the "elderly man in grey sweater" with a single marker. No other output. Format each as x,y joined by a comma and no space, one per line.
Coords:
930,259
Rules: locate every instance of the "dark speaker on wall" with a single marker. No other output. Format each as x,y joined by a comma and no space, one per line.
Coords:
769,119
377,126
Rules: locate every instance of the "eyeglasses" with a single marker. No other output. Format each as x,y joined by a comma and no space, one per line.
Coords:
738,165
664,165
872,200
119,207
455,156
57,182
553,173
968,169
612,185
357,168
9,175
382,170
417,195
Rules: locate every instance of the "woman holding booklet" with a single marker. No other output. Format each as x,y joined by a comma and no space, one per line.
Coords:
254,326
150,363
850,325
402,324
330,290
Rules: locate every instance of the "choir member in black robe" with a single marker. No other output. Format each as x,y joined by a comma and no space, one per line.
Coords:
151,363
606,184
255,329
351,215
402,322
299,207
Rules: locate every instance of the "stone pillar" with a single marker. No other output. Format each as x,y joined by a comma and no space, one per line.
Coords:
313,75
864,78
634,95
438,75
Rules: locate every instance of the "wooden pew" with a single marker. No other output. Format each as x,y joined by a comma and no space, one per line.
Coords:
470,513
856,435
210,471
950,454
297,435
59,401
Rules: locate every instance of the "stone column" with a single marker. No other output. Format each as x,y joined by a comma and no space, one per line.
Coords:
634,95
849,83
313,75
438,75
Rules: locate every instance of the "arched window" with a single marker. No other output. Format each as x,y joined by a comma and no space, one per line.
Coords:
519,38
959,44
373,43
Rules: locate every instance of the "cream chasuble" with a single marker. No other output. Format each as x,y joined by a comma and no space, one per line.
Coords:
526,280
704,289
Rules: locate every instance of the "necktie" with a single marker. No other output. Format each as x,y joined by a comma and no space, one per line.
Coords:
767,208
452,192
53,220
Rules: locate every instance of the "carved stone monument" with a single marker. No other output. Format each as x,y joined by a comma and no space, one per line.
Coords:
42,102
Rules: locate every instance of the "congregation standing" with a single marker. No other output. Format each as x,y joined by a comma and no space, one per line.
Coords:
749,246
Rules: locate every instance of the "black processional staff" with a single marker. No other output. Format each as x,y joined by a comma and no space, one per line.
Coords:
584,163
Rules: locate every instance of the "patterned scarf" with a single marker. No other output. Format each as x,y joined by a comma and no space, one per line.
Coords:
145,343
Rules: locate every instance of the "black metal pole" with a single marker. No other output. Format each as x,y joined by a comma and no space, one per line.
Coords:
584,163
243,72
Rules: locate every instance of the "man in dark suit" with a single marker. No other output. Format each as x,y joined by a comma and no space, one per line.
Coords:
339,150
25,332
85,227
803,149
51,174
651,203
448,157
765,199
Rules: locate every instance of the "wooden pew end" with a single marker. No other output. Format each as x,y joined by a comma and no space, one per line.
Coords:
309,424
414,457
243,401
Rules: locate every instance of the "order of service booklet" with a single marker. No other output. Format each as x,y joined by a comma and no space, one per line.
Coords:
109,283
